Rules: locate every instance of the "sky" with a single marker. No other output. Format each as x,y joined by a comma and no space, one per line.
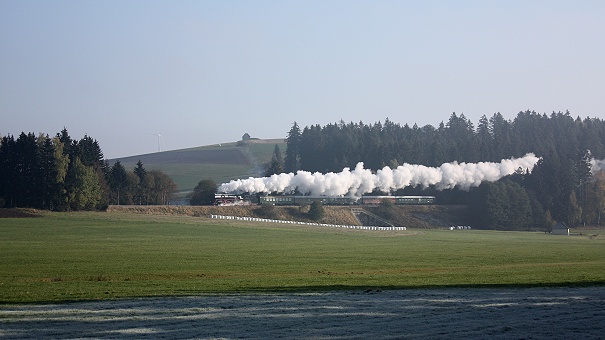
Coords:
206,72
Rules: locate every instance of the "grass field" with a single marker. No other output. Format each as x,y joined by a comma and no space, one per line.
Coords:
187,176
88,256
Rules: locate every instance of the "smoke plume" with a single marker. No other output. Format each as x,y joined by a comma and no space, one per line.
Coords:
361,181
597,165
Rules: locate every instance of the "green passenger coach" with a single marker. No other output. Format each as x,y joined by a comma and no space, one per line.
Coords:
345,200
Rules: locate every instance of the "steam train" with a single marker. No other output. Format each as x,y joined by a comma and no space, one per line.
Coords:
227,199
224,199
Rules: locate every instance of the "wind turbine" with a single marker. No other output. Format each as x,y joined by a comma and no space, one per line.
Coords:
160,141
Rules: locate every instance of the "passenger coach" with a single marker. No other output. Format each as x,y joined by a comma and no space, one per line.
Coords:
338,200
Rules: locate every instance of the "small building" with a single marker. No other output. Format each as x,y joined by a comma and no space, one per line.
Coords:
560,229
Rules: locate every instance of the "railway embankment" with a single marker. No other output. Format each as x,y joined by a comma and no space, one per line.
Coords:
414,216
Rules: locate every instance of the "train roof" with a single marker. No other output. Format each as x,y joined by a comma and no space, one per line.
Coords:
350,197
386,196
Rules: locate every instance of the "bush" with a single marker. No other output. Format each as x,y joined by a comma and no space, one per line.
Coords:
268,211
316,211
203,193
386,209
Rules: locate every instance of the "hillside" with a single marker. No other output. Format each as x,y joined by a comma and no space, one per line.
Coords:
219,162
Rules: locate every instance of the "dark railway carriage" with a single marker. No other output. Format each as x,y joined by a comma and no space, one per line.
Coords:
325,200
338,200
416,200
276,200
400,200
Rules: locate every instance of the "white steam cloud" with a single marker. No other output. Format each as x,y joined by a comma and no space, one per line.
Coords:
362,181
597,165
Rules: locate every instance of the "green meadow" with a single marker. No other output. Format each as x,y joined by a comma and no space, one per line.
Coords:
91,256
219,162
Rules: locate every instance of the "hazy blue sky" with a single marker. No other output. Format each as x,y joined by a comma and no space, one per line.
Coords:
205,72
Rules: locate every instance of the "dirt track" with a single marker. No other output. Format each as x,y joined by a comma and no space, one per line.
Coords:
533,313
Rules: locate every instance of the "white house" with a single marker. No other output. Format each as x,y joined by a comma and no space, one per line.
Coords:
560,229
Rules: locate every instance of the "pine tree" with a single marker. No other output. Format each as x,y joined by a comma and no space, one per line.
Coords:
47,173
90,153
9,177
26,166
276,166
293,146
484,139
119,183
142,187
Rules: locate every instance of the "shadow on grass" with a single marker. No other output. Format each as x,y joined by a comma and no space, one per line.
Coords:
370,289
311,289
18,213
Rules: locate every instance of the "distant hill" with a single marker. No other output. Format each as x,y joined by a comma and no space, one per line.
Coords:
219,162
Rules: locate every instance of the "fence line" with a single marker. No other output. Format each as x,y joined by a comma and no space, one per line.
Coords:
256,219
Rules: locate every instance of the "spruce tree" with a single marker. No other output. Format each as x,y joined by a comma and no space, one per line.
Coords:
293,145
119,183
276,166
142,186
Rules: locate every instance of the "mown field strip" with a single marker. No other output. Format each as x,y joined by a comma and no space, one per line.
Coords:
84,256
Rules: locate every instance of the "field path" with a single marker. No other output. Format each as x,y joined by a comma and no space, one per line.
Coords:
536,313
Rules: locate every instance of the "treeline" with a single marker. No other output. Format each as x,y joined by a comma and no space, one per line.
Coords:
60,173
561,187
140,187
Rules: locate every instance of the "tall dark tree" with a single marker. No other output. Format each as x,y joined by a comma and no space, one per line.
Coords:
311,143
484,139
142,186
503,141
67,141
293,146
119,183
276,166
90,153
48,172
9,180
27,170
460,135
543,181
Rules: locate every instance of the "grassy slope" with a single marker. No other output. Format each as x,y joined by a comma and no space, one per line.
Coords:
221,163
73,256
